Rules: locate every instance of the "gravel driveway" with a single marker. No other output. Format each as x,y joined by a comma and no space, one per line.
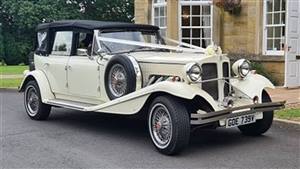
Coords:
72,139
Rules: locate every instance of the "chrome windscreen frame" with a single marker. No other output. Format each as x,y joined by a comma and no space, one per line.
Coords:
193,49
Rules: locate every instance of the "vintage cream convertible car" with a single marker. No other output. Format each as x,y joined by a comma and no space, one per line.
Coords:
124,68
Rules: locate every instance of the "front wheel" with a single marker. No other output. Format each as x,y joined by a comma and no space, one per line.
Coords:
169,125
34,106
260,126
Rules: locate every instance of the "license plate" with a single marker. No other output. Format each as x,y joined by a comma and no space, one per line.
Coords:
240,120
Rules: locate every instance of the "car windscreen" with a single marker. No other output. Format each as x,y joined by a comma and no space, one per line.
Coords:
138,36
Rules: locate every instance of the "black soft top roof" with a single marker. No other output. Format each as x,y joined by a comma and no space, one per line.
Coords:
91,25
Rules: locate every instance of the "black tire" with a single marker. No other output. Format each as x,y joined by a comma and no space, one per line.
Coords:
260,126
129,75
180,124
40,111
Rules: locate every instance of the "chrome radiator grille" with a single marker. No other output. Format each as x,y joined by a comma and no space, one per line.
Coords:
226,75
210,71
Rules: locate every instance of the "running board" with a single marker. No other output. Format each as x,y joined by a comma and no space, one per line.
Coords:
69,104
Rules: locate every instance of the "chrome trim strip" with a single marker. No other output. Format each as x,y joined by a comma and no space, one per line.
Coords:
168,63
215,79
65,105
138,72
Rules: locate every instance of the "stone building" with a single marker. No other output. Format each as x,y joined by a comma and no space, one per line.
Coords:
260,30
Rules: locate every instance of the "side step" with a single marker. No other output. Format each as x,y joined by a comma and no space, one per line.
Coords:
69,104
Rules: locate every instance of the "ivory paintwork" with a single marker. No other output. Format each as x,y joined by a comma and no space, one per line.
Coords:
81,79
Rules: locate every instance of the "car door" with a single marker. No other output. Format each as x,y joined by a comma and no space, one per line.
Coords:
292,55
83,70
55,64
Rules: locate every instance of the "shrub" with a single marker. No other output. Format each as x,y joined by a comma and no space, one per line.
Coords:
261,70
2,62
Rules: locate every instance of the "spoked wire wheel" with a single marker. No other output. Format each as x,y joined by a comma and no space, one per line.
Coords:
169,124
34,106
117,80
31,101
120,77
160,125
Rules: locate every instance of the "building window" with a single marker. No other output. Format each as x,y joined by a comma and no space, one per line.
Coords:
160,15
196,22
274,27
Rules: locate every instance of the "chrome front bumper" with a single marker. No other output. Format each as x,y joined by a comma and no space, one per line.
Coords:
198,119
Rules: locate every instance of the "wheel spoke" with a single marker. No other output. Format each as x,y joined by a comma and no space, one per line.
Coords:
117,82
32,101
161,126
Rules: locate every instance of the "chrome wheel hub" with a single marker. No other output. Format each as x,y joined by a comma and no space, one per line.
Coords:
160,125
32,101
117,80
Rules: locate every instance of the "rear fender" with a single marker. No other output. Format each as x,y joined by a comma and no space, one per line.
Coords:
42,82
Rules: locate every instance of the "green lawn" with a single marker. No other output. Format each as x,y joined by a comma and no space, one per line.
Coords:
12,70
288,114
10,83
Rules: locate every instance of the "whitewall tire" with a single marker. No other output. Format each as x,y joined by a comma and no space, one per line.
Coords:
34,106
169,125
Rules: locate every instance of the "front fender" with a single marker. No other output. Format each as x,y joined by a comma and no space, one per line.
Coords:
42,82
252,85
134,102
185,91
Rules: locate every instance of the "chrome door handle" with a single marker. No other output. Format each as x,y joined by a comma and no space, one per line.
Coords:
68,67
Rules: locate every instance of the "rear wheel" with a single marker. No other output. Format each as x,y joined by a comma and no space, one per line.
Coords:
169,125
34,106
260,126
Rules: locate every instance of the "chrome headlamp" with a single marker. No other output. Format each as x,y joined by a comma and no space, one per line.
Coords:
193,72
241,68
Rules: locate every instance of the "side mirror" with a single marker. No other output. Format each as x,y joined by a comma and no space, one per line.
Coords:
82,52
102,52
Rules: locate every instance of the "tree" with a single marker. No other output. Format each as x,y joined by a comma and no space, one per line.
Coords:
1,40
20,18
1,44
108,10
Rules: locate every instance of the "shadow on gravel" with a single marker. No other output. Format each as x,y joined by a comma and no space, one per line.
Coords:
134,129
208,140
